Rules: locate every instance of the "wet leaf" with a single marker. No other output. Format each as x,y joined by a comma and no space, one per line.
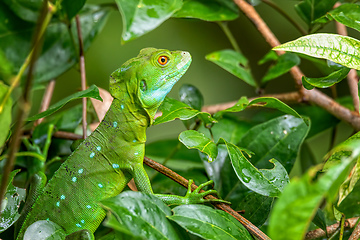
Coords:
279,138
207,10
44,229
92,92
194,139
267,182
11,203
136,210
233,62
328,81
343,50
209,223
140,17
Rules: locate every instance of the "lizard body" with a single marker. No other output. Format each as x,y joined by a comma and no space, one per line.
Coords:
113,154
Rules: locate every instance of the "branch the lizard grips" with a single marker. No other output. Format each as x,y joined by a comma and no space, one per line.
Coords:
98,168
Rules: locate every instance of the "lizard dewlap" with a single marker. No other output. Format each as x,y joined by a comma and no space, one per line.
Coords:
112,155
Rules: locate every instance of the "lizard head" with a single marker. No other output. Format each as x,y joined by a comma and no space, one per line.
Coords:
149,77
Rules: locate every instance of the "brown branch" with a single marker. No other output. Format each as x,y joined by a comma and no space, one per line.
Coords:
291,97
313,96
184,182
45,103
352,77
318,233
82,73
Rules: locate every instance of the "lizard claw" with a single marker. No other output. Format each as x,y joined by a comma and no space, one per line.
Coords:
198,197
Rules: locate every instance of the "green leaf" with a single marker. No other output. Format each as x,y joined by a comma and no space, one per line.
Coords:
209,223
172,109
136,210
26,10
279,138
257,207
72,7
340,49
44,229
269,102
283,64
191,96
194,139
293,211
11,203
327,81
309,10
5,113
347,14
140,17
92,92
233,62
58,53
264,181
207,10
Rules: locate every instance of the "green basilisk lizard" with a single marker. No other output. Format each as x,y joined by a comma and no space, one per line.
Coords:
113,154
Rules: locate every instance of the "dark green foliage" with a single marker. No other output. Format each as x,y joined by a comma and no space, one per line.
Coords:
262,161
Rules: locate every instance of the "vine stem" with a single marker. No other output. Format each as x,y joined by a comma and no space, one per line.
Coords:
184,182
48,10
312,96
82,74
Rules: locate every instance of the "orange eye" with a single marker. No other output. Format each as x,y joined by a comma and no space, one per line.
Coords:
162,60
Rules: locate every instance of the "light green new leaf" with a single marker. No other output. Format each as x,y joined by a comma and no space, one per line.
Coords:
209,223
11,203
140,17
194,139
340,49
92,92
207,10
136,210
267,182
172,109
233,62
5,113
293,211
327,81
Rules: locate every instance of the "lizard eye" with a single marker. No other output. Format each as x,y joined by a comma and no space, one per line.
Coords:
143,86
163,60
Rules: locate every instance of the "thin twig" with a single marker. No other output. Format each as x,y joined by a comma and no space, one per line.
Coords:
82,73
318,233
45,103
313,96
184,182
285,15
24,103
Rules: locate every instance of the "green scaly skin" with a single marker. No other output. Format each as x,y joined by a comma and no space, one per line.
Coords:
113,154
